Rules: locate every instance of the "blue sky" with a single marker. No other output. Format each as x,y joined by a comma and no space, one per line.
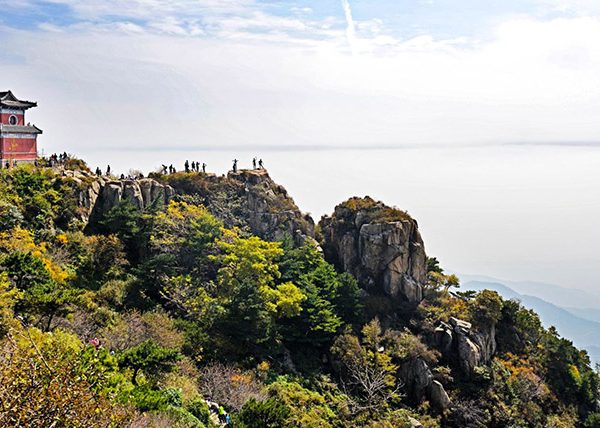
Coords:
402,18
141,82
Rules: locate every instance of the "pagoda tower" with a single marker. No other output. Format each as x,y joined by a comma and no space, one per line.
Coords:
18,141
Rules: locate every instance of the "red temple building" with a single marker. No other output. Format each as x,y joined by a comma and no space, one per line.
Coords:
18,141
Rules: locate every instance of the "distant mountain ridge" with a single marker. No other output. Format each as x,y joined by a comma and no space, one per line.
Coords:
584,333
551,293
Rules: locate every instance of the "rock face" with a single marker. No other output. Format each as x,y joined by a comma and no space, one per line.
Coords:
247,199
97,195
271,212
470,348
379,245
141,193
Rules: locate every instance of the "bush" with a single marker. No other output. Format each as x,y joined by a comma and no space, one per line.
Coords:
199,409
270,413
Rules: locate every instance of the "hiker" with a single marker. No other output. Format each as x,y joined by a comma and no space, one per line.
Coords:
253,163
187,166
222,415
171,169
203,168
197,166
122,176
193,166
98,171
235,161
260,164
164,169
108,170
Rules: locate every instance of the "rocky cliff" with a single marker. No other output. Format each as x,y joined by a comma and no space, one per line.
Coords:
379,245
248,199
97,195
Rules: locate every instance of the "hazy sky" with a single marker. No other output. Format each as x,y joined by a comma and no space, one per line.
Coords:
492,107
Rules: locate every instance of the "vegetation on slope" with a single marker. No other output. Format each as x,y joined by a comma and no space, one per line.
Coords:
145,315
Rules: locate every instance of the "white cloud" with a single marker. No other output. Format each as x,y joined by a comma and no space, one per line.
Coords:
259,78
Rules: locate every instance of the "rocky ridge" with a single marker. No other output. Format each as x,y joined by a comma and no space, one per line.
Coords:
247,199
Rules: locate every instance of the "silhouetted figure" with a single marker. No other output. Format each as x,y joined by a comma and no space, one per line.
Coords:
7,165
164,169
108,170
193,166
171,169
197,166
122,176
253,163
204,168
98,171
187,166
235,161
260,164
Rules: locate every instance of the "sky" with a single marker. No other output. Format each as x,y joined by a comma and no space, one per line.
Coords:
479,117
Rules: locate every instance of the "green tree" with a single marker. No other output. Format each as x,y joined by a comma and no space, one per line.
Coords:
248,285
41,295
486,308
150,358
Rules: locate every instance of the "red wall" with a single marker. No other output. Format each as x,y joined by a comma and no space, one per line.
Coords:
20,118
18,148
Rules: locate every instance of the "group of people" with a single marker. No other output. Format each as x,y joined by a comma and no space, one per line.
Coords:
255,164
60,159
188,167
99,171
193,167
219,410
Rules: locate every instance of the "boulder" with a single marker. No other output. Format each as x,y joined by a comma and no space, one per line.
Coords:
417,378
414,423
439,396
469,347
420,384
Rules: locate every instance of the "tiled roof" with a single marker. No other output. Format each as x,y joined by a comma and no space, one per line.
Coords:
16,129
7,99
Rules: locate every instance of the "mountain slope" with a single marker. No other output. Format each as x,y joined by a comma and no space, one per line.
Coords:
583,332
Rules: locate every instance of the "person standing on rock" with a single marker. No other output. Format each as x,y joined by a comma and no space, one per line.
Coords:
254,163
187,166
98,171
164,169
235,161
108,170
260,164
203,168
